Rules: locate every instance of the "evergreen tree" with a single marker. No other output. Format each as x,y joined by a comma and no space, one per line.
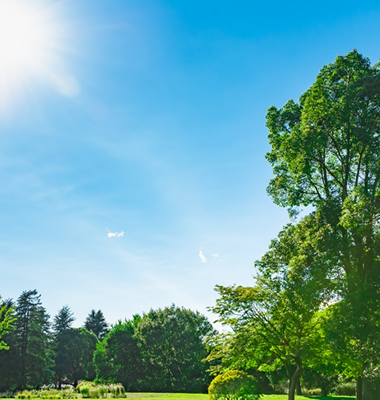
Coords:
63,320
28,362
96,323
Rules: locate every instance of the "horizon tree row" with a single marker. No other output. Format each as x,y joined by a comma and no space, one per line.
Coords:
161,350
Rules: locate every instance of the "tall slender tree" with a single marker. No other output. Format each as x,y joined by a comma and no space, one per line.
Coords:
28,362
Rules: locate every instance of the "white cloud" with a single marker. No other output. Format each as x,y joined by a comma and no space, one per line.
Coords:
115,234
202,257
216,255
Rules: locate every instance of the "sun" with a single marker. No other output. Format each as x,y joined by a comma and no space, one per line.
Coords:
25,34
29,45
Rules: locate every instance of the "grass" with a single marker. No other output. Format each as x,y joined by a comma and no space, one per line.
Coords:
190,396
285,396
196,396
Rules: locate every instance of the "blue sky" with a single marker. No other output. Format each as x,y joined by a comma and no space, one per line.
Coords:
147,118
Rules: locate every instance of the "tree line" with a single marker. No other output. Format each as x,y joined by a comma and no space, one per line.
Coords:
161,350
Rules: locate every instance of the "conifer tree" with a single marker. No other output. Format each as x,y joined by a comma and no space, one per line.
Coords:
96,323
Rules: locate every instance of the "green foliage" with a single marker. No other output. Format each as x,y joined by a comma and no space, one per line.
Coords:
118,357
74,354
28,362
277,322
96,323
233,385
172,345
63,320
7,320
325,152
345,389
95,391
161,351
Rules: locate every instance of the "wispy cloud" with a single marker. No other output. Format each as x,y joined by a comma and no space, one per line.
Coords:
115,234
202,257
216,255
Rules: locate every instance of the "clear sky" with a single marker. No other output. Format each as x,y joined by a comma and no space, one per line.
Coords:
133,141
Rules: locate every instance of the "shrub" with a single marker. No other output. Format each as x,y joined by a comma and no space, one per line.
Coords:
233,385
103,390
311,392
94,393
345,389
85,391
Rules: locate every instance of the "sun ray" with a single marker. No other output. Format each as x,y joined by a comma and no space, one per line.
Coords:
29,42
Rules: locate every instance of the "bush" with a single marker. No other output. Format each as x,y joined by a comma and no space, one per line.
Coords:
7,395
345,389
311,392
233,385
94,393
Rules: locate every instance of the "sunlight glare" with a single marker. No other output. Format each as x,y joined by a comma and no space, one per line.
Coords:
28,48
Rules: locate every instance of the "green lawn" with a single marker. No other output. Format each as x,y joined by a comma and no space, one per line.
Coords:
284,397
168,396
194,396
190,396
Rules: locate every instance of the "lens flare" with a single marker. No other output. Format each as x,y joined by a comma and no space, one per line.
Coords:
29,47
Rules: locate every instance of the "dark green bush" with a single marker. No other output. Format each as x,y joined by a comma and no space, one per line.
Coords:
345,389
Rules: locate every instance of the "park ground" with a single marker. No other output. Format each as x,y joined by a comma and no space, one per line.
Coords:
196,396
192,396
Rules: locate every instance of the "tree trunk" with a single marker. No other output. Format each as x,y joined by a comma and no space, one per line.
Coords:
298,388
294,380
369,390
359,388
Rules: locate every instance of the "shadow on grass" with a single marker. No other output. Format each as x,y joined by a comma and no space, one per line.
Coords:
330,397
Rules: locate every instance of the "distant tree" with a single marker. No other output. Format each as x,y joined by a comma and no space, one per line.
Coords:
118,357
172,343
160,351
96,323
28,362
74,350
74,356
63,320
62,325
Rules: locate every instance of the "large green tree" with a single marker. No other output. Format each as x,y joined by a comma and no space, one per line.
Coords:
277,321
172,346
161,351
118,357
325,153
